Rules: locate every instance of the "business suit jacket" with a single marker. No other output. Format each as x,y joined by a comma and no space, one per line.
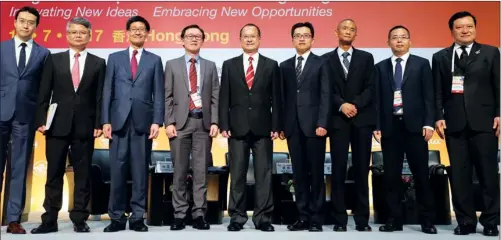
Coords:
177,93
358,88
417,95
142,98
80,109
307,100
481,89
19,92
256,110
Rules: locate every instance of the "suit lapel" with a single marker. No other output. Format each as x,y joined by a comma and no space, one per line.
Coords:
448,58
142,63
127,63
33,55
67,70
88,70
239,65
14,58
260,69
203,65
389,68
182,66
353,63
307,66
475,51
407,70
337,64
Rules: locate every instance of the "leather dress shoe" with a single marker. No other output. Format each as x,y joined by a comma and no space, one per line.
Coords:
299,225
178,224
390,226
491,231
428,228
200,224
316,227
138,226
339,228
15,228
265,227
465,229
45,228
363,228
115,226
235,227
81,227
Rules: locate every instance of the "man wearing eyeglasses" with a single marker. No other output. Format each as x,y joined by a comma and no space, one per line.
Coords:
307,110
406,114
191,117
133,110
76,123
352,125
22,62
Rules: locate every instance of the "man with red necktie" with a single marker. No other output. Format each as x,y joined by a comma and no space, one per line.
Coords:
133,110
249,111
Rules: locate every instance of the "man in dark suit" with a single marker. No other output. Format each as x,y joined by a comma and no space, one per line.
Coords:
249,110
406,113
22,62
353,123
133,111
466,78
191,116
74,79
307,110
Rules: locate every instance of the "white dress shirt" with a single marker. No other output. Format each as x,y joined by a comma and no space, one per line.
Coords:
305,56
81,61
138,55
17,45
255,59
459,51
340,52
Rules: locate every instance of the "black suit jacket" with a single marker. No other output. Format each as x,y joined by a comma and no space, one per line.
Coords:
357,89
256,110
78,113
307,100
479,104
417,95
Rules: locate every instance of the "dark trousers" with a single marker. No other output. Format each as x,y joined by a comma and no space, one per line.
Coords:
308,157
416,149
360,140
468,148
56,151
22,136
129,148
262,150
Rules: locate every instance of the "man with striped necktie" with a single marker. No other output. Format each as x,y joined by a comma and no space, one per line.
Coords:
249,111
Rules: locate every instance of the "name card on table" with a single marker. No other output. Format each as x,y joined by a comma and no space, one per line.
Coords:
284,168
164,167
328,168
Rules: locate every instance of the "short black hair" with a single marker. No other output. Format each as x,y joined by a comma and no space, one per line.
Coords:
459,15
303,24
251,25
31,10
399,27
192,26
137,19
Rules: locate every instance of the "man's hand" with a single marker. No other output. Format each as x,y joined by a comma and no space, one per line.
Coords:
320,131
427,134
282,135
154,131
349,110
171,131
98,133
226,134
440,128
213,130
496,126
377,135
107,131
274,135
41,129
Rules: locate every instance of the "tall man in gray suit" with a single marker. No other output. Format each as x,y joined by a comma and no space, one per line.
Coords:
191,117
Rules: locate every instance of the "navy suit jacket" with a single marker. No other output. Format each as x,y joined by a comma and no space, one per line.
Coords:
309,99
19,91
417,95
143,97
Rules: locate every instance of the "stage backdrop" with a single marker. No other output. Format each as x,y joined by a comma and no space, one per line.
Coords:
427,22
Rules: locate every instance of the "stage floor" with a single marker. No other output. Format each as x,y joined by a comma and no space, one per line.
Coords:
218,232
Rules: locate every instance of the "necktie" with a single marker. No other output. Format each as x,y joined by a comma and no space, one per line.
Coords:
193,81
133,65
299,67
398,74
346,63
22,58
249,75
464,56
75,72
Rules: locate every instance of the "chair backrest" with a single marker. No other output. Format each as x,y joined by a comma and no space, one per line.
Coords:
279,157
349,168
160,155
328,157
377,158
101,159
433,157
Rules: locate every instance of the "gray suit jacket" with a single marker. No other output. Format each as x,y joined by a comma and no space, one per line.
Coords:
177,95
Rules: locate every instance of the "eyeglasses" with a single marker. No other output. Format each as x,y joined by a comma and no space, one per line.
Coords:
30,23
405,37
299,36
75,33
193,37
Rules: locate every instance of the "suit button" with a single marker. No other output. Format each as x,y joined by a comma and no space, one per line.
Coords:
250,94
250,108
130,98
298,91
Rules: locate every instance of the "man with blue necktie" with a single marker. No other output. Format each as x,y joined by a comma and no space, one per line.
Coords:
22,62
133,111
